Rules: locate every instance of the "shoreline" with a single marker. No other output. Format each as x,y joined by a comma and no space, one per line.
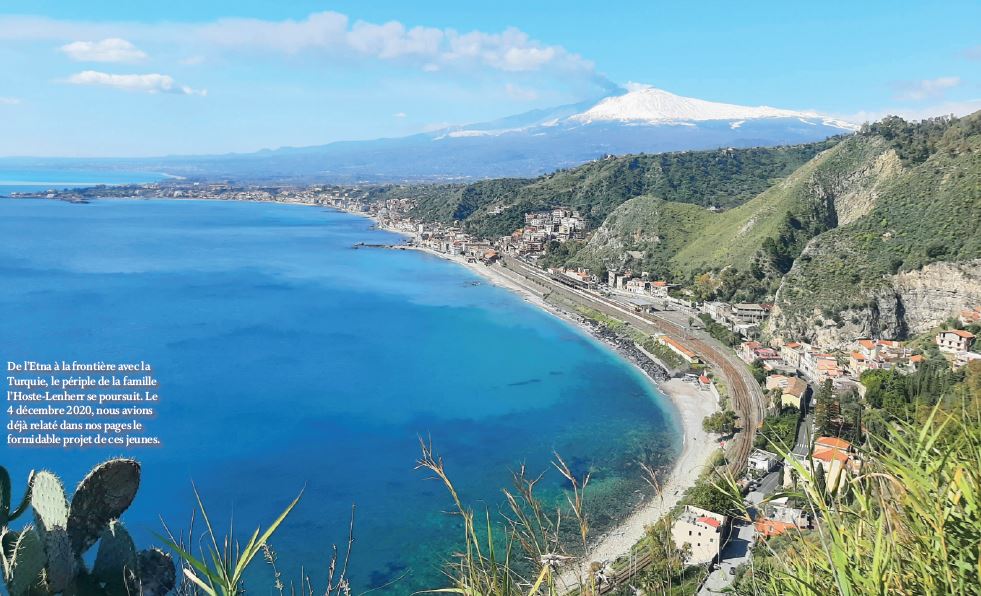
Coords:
690,406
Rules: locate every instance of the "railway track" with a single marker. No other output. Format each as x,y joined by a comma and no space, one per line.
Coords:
746,394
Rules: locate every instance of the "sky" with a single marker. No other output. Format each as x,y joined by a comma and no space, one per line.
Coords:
138,78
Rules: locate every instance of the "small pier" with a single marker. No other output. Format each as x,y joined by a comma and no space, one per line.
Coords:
389,246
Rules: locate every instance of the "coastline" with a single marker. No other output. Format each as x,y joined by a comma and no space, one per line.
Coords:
691,407
697,449
689,404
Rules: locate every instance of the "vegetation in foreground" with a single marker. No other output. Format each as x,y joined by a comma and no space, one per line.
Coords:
908,523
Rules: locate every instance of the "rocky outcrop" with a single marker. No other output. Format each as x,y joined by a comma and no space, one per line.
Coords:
904,305
860,189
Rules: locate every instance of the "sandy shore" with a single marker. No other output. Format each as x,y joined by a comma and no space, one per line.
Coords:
698,446
691,405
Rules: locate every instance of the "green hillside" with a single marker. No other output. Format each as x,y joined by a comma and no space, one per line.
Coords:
755,242
930,212
723,178
811,220
644,233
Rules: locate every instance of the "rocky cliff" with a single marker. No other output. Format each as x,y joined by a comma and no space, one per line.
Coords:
907,253
905,305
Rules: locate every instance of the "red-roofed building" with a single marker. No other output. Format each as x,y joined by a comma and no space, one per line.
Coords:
704,383
833,443
955,340
771,527
827,456
702,532
673,345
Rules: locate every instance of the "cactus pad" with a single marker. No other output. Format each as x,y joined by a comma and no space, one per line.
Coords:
101,497
49,503
116,560
26,563
158,576
62,563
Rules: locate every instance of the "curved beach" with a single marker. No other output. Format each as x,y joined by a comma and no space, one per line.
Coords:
698,446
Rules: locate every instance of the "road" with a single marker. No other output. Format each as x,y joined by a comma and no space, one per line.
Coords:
768,484
804,435
735,553
745,393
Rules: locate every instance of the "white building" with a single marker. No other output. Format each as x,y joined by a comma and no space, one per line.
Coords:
702,532
955,340
763,462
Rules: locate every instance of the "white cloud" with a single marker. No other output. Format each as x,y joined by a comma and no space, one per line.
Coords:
400,114
328,33
519,93
634,86
112,49
973,53
925,89
146,83
9,101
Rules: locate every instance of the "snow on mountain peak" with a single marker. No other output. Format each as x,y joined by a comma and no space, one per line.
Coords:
648,104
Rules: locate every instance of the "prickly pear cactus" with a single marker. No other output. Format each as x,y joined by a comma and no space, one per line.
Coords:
158,576
6,497
27,561
8,538
101,497
115,564
63,565
49,503
48,559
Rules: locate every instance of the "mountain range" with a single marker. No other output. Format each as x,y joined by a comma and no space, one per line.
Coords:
640,120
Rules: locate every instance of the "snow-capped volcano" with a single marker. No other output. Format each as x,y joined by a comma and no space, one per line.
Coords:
656,106
635,120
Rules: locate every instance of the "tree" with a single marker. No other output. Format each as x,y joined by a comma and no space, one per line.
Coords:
823,406
704,287
759,373
820,481
721,423
707,495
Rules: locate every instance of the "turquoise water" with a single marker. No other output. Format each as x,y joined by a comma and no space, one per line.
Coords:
290,361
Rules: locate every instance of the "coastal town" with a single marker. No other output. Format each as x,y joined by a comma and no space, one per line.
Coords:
793,375
798,385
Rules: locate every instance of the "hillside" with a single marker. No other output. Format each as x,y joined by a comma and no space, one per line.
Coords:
723,178
756,241
912,259
874,234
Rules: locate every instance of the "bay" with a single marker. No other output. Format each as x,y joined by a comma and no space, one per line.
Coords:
289,361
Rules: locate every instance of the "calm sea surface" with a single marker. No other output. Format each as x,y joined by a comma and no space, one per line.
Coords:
290,361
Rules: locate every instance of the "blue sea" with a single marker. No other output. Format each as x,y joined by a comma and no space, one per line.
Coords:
290,362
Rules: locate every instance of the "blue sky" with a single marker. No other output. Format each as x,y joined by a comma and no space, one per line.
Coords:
101,78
